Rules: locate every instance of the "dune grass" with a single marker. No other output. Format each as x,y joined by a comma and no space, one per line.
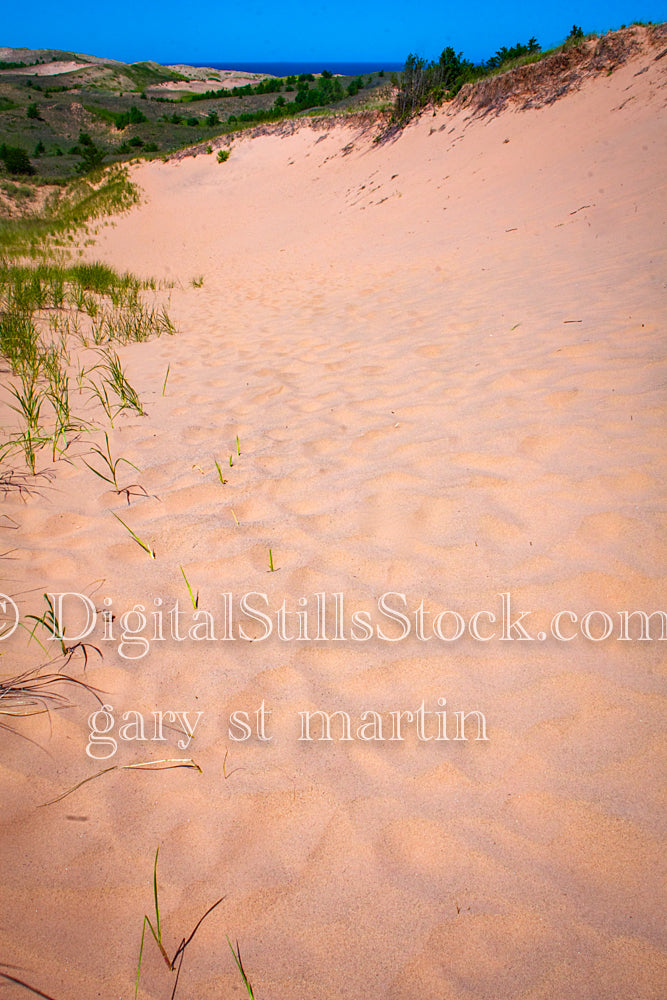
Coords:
173,964
67,209
51,304
110,465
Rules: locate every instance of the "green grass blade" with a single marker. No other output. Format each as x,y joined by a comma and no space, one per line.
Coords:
146,548
195,600
239,965
157,908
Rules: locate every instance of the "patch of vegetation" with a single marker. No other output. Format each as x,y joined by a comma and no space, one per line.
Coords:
423,82
18,191
16,160
268,86
120,120
67,209
47,307
91,156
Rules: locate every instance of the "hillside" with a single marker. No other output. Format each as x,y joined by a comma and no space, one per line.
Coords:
133,109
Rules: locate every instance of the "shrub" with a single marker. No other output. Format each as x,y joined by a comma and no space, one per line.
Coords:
32,111
16,160
132,117
91,156
223,155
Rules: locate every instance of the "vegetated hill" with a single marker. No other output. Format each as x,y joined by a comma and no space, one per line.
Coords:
69,112
544,81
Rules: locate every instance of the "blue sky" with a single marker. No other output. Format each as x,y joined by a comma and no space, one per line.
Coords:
304,30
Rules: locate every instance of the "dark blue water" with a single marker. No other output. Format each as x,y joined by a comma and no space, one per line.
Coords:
294,68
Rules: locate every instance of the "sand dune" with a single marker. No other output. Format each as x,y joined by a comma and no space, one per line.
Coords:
443,356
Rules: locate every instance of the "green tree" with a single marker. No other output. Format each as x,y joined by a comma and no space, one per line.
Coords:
91,156
32,111
16,160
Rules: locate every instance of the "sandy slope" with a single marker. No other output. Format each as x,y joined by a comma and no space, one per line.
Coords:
56,68
443,359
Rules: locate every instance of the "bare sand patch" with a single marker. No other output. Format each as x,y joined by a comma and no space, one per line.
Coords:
55,68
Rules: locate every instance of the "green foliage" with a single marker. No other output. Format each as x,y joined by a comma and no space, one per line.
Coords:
422,82
132,117
91,156
32,111
16,160
223,155
120,119
504,55
576,34
328,90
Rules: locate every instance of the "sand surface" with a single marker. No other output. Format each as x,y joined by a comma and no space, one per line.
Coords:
55,68
443,357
